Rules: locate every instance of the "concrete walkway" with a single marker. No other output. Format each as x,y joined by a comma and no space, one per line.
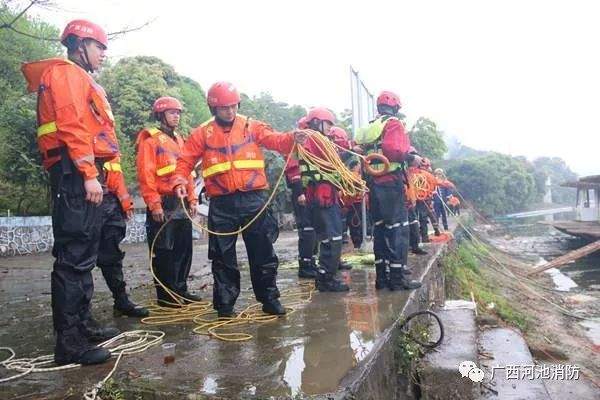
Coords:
336,344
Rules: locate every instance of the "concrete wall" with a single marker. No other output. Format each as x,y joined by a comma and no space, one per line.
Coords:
27,235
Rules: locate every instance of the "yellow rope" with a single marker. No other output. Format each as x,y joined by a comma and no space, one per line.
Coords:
201,313
331,166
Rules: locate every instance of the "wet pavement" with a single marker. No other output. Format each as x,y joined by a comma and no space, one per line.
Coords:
308,352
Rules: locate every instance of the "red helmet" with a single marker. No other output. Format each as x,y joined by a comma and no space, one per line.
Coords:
302,123
166,103
339,137
322,114
84,29
222,94
389,99
338,133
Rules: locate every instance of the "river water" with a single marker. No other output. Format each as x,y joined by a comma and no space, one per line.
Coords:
528,239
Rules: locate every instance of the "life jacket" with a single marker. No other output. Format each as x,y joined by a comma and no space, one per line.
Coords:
370,139
232,161
92,110
166,151
311,175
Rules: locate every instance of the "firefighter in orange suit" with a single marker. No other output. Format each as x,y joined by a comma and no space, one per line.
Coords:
76,136
157,153
233,169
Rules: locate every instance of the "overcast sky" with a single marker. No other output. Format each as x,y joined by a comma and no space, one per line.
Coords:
519,77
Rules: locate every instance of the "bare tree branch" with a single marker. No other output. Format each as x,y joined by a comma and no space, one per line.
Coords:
45,3
12,28
115,35
31,3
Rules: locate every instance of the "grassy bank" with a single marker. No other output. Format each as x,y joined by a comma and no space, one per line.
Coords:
466,273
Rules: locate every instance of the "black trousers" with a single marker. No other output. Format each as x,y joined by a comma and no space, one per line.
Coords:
173,248
228,213
440,213
307,239
354,224
390,227
413,225
77,228
110,256
327,221
425,214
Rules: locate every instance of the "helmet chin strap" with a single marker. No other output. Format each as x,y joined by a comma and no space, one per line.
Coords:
165,125
86,58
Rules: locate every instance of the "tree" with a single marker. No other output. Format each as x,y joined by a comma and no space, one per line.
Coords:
559,172
496,183
23,182
132,85
427,139
282,117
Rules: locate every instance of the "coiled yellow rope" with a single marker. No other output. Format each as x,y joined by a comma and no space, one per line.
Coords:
331,166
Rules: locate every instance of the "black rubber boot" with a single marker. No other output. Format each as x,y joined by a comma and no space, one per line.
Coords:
398,280
85,354
92,330
124,307
418,251
96,355
381,275
225,313
273,307
190,297
306,268
327,283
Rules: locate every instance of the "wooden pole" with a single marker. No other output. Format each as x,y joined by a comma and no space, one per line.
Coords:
570,256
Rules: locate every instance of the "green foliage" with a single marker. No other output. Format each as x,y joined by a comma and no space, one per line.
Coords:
282,117
23,183
559,172
427,139
496,183
465,274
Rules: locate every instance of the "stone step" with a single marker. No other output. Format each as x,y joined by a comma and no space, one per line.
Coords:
515,376
440,376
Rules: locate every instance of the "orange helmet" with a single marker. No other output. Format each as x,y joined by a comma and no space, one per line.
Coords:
302,123
166,103
84,29
339,136
389,99
222,94
320,113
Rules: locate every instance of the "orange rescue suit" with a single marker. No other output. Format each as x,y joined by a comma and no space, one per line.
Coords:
157,155
73,112
115,183
231,157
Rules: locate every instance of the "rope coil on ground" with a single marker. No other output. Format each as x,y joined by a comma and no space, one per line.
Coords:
139,340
